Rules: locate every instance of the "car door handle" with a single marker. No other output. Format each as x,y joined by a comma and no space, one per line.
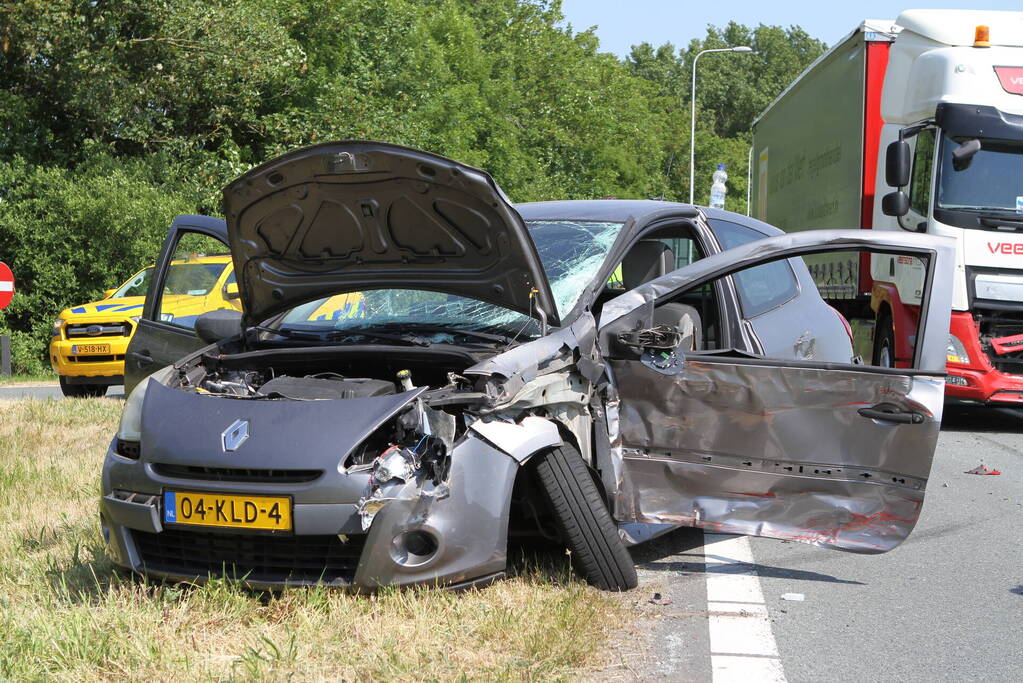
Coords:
891,414
141,358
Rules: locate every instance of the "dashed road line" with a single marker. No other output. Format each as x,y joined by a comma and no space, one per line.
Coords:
742,645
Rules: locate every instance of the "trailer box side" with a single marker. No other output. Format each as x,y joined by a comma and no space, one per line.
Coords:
812,148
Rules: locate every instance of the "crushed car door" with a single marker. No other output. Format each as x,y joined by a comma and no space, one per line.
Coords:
829,453
196,246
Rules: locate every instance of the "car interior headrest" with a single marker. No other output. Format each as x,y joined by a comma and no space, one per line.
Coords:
646,261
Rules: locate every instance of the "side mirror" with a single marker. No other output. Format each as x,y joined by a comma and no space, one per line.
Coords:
895,204
231,291
213,326
107,293
896,165
964,153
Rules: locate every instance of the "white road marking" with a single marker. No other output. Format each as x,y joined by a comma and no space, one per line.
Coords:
742,647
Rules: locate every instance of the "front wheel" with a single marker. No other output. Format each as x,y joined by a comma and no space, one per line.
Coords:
584,523
884,342
81,390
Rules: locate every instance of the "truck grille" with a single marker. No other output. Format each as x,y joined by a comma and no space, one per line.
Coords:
95,359
237,474
297,559
99,330
996,324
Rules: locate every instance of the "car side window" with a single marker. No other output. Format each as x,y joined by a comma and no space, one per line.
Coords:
196,266
762,288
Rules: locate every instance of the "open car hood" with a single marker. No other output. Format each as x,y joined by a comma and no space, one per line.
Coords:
358,215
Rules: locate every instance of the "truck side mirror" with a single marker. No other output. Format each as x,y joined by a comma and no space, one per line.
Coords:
964,153
231,291
896,165
107,293
895,203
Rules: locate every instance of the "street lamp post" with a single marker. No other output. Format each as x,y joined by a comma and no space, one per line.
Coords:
692,115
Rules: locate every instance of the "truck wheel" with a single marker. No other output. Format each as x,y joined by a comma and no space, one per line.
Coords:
884,343
81,390
585,525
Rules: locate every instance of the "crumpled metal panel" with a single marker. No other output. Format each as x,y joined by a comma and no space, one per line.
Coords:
511,370
776,451
519,440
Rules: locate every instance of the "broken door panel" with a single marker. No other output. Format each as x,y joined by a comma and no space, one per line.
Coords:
777,451
833,454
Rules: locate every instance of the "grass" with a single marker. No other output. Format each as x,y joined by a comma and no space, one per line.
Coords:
66,615
28,378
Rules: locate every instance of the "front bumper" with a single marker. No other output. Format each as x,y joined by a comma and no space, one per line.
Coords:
68,363
978,382
328,545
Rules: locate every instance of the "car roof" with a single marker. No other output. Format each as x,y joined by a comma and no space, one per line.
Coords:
612,210
622,210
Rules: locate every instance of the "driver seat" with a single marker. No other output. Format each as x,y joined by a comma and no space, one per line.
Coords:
647,261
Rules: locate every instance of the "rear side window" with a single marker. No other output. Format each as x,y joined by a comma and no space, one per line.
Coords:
762,288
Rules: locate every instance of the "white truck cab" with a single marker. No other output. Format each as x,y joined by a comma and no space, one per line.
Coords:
914,124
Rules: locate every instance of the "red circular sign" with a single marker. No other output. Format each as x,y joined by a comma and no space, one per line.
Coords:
6,285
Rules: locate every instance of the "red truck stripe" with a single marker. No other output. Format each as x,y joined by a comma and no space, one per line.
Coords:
876,63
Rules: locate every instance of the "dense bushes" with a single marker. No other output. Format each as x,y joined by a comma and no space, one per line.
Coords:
70,234
116,115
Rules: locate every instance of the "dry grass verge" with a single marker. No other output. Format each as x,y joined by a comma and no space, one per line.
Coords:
65,614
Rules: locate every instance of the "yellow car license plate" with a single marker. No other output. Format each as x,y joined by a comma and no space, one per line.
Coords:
86,349
227,510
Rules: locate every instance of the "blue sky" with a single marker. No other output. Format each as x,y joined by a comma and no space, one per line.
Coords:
623,23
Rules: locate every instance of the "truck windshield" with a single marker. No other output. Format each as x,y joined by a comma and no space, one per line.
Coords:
991,183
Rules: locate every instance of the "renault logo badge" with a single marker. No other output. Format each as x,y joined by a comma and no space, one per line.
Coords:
234,436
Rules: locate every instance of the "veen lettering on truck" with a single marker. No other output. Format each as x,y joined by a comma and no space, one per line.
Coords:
1005,247
1011,78
982,248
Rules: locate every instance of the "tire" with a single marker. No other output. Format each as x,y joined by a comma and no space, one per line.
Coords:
586,527
81,390
884,342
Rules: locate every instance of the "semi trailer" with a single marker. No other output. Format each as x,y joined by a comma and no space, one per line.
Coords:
914,124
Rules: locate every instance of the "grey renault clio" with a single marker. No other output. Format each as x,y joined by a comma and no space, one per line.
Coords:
423,369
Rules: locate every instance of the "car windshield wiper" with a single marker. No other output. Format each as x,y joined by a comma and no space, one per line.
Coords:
289,332
458,331
339,335
411,339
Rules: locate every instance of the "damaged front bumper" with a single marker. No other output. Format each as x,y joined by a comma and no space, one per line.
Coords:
413,538
353,528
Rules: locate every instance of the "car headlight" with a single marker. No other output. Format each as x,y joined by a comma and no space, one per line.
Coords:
58,325
956,351
130,428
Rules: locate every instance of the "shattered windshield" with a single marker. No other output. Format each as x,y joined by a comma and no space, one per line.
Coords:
571,253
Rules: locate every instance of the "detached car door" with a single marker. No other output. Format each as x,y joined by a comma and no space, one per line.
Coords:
166,330
829,453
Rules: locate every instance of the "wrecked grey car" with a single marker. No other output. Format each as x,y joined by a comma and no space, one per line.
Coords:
423,369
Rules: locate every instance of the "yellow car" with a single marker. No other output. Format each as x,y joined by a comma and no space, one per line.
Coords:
89,341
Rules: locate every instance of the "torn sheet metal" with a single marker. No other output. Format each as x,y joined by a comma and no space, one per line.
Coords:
508,372
519,440
816,475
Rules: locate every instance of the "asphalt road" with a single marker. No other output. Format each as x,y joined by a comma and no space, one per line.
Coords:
946,605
